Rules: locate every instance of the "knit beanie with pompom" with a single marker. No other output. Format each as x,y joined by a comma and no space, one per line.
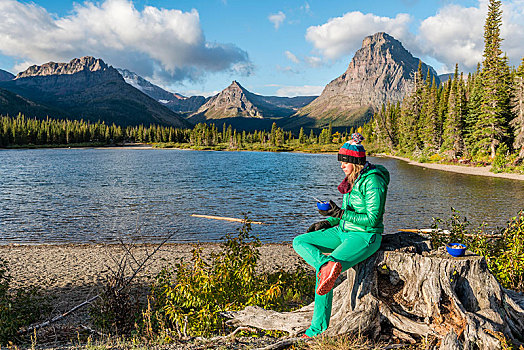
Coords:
352,151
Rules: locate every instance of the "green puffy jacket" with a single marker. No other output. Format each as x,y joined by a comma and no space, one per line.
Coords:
364,205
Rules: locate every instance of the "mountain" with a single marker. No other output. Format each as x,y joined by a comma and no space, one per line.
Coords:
87,88
5,75
185,105
12,104
151,90
381,71
171,100
245,110
445,77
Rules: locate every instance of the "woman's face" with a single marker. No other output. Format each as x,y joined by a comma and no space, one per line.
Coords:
347,168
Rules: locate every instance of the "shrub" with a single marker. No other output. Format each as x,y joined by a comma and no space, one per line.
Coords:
435,158
504,252
117,309
500,161
189,298
18,308
509,263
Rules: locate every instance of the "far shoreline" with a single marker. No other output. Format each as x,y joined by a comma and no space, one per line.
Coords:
460,169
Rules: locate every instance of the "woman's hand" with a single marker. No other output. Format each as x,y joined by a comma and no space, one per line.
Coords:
334,211
319,226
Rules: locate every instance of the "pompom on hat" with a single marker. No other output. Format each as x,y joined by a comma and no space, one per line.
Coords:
352,151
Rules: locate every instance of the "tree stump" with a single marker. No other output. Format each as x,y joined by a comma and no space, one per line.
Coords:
408,291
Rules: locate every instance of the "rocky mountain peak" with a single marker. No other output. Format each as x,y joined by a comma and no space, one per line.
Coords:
148,88
76,65
381,71
379,38
233,101
172,100
235,86
234,93
381,48
89,89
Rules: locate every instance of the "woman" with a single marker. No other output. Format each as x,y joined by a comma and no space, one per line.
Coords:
350,234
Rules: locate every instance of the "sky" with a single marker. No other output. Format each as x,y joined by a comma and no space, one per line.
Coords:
281,48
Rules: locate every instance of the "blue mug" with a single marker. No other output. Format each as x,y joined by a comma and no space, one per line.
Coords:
323,205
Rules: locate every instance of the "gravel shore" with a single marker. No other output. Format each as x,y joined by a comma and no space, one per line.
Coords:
73,273
461,169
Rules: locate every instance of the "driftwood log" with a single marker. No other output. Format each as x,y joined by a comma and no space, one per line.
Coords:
408,291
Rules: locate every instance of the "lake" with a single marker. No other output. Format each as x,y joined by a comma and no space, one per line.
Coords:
104,195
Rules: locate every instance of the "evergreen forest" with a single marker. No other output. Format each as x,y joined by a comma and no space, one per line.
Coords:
478,118
31,132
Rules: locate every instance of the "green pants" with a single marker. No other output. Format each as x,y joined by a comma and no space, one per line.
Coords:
348,248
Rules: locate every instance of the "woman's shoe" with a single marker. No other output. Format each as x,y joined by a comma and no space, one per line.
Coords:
305,336
328,275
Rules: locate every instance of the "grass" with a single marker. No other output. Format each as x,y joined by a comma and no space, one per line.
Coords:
355,342
288,147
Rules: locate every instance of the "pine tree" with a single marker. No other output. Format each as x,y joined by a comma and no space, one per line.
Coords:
301,136
492,126
452,137
474,109
392,116
422,120
518,109
382,129
273,135
443,98
229,133
462,108
280,137
312,138
410,114
323,138
429,129
378,136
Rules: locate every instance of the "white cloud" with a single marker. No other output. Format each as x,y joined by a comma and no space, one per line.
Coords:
341,36
287,69
277,19
21,66
513,30
154,42
305,90
313,61
290,56
306,8
454,35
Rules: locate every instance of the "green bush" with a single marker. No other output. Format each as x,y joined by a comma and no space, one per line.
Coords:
509,262
500,161
503,251
18,308
189,298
